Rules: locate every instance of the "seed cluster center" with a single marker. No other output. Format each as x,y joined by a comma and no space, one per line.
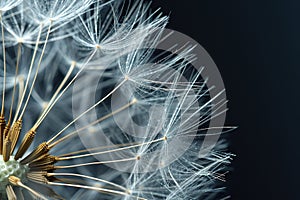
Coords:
9,168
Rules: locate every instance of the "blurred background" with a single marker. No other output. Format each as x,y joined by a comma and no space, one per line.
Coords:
256,47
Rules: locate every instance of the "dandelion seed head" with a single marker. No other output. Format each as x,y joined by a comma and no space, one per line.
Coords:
90,109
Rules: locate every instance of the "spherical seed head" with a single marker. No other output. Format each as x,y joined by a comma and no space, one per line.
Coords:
10,168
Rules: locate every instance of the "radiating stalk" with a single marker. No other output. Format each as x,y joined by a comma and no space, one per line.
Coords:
4,66
37,70
29,73
89,109
89,125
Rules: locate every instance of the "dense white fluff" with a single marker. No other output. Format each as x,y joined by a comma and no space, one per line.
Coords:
58,11
6,5
107,34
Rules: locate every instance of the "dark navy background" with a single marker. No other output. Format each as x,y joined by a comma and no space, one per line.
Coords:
256,46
